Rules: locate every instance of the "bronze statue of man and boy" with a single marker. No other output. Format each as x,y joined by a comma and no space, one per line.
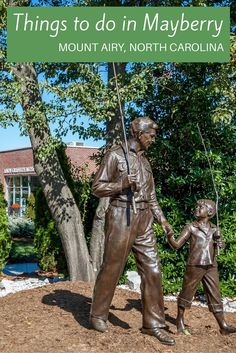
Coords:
130,228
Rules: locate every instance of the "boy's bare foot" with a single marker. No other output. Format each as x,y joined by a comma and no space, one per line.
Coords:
182,329
180,325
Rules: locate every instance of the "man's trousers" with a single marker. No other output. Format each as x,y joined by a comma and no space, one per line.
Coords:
120,238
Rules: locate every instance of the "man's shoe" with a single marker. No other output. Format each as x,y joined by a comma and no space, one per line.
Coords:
160,335
227,330
98,324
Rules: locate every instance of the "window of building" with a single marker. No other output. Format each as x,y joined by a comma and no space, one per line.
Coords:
18,189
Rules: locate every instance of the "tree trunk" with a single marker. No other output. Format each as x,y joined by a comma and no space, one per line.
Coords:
59,197
98,236
114,136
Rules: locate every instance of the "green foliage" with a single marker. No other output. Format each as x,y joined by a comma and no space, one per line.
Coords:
191,94
22,252
20,226
5,239
47,242
79,182
86,202
30,207
179,96
84,190
227,257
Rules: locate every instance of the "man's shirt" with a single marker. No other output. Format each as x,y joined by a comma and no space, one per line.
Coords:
108,179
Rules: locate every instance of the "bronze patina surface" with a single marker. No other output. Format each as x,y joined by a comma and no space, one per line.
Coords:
126,230
204,238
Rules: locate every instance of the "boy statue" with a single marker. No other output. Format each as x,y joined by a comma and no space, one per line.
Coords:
204,238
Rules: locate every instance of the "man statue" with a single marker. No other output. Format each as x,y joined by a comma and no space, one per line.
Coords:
130,228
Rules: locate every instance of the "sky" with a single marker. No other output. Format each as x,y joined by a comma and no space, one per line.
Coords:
10,139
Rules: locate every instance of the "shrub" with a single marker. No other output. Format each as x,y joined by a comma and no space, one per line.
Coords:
20,226
30,207
5,239
22,251
227,256
48,246
47,242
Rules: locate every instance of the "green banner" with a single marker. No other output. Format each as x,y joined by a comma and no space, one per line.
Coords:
119,34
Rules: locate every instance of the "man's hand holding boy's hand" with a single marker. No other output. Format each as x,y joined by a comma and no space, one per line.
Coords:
167,229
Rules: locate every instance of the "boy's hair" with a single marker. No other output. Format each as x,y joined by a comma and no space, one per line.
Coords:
211,205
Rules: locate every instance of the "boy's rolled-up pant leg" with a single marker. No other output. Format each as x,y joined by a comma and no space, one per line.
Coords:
192,278
118,241
211,287
148,264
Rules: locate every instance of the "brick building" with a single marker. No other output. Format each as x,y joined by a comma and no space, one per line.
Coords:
18,176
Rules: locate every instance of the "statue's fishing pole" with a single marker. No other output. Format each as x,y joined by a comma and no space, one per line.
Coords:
213,180
124,132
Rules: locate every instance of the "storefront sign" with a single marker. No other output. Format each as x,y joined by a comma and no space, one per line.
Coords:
19,170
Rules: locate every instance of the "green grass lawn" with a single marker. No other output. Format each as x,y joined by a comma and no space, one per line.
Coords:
22,251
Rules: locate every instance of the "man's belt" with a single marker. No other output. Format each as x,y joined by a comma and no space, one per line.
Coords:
126,204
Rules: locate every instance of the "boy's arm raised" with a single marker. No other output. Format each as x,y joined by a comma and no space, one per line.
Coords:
183,237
